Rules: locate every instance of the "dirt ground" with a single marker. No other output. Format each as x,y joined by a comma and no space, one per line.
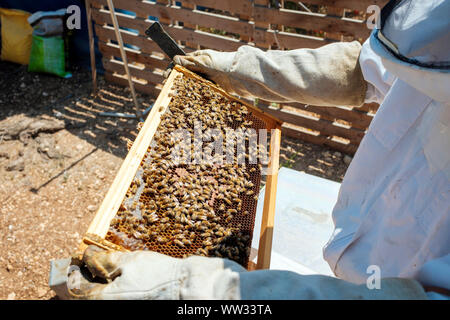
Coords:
58,158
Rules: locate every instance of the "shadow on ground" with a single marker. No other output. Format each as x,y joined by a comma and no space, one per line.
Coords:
42,96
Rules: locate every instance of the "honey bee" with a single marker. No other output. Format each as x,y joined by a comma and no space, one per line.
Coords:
207,242
234,195
161,239
164,190
186,242
165,220
228,219
178,243
202,251
149,190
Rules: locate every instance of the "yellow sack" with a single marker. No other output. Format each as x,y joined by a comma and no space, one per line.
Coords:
16,35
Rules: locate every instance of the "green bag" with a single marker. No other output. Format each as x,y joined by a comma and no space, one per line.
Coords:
48,55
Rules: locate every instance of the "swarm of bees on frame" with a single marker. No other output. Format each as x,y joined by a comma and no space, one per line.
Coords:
203,208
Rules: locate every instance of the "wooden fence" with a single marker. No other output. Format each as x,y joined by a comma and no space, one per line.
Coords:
228,24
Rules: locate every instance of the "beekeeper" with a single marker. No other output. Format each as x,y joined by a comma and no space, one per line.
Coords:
393,209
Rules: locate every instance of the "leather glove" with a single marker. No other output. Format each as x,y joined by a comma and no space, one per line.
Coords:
327,76
146,275
150,275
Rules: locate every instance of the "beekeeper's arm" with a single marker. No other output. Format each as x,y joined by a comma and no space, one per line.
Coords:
150,275
328,76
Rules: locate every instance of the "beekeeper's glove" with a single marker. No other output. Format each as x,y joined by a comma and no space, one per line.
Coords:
146,275
150,275
327,76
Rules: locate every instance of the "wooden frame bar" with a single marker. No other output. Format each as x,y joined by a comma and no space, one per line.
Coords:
270,195
100,224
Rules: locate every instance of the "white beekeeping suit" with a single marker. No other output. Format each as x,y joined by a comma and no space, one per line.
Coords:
394,204
393,210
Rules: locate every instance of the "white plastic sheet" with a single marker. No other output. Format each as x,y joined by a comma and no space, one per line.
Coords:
303,222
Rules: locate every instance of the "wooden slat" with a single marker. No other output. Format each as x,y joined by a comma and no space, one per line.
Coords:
145,44
288,40
360,5
163,20
319,139
211,20
145,88
187,8
102,16
182,34
209,40
118,66
336,13
232,6
358,119
247,18
110,50
311,21
144,9
202,18
135,6
260,27
325,127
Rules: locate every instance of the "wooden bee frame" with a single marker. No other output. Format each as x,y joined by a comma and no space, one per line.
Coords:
100,224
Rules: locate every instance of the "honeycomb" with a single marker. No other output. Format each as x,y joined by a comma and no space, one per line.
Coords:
203,208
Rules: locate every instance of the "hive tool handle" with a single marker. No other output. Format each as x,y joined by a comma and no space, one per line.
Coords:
164,41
